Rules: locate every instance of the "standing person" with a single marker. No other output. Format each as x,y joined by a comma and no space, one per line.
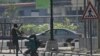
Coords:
32,46
15,36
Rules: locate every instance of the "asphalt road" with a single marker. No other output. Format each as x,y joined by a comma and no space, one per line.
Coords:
10,55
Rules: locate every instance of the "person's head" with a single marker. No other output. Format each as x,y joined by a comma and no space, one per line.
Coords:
15,25
33,36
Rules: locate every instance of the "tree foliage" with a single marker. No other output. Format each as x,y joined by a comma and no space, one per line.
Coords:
10,9
2,1
64,26
32,28
6,1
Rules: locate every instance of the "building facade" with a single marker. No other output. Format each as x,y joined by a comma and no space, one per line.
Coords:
27,13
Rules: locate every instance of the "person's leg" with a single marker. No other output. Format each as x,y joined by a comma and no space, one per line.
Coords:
17,48
34,53
27,51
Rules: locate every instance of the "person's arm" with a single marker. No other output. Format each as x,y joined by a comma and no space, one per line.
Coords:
18,31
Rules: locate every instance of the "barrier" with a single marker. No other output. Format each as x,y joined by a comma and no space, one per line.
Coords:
48,54
10,45
66,54
54,54
41,53
60,54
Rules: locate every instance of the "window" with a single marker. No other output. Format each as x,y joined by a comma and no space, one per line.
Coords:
27,0
60,32
70,33
21,13
34,13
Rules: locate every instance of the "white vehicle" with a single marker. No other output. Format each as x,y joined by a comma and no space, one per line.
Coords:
59,34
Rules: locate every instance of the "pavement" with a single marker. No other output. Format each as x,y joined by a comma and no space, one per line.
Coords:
11,53
8,53
66,52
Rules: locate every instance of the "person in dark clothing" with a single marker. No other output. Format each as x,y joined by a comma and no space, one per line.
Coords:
15,36
32,46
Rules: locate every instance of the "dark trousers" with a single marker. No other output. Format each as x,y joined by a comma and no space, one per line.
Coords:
31,52
16,44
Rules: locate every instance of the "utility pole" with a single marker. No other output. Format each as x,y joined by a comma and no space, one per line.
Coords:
85,29
52,43
51,20
98,7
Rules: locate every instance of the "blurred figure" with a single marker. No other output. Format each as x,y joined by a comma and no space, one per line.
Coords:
16,34
32,45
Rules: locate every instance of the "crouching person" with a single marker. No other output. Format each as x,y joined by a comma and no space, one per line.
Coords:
32,46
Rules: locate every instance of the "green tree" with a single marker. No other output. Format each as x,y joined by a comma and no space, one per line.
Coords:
28,29
65,26
2,1
10,9
32,28
67,21
7,1
70,25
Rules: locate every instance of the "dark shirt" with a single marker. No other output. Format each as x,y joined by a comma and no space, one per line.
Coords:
33,44
15,33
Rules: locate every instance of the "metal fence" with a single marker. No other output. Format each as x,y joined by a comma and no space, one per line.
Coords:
65,54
